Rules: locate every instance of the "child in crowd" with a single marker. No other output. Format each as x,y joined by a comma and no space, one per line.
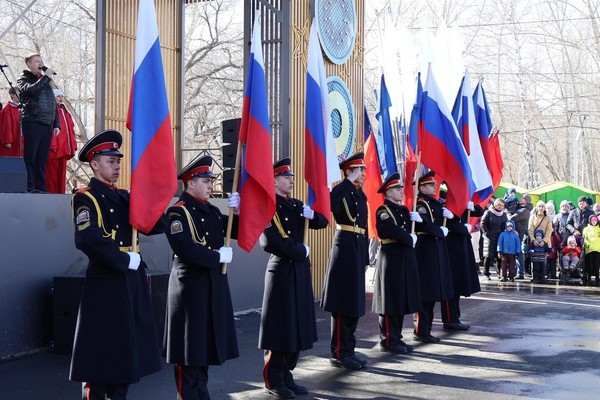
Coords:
591,240
510,201
538,252
508,248
570,258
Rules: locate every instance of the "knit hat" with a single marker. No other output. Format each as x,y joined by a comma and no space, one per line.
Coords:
512,190
540,203
538,232
564,203
571,240
510,223
592,217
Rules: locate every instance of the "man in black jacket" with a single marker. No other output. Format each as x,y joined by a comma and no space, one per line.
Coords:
344,289
288,323
39,119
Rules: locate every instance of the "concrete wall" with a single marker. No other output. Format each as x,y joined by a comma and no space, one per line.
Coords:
36,244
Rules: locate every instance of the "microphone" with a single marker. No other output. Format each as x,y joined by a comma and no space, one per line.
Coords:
44,68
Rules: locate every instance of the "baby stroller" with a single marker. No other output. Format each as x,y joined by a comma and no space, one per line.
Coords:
571,273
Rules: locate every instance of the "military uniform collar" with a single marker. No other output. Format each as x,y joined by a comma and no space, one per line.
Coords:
188,198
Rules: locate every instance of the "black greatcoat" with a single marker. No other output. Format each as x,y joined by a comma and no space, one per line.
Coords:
344,288
115,339
288,322
432,252
396,290
199,329
465,272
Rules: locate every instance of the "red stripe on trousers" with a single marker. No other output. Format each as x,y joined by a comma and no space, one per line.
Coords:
386,320
418,317
338,349
447,305
266,370
179,382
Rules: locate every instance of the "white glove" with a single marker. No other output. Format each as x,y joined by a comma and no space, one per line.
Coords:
307,250
225,255
445,230
414,216
134,260
414,238
233,201
468,226
447,213
307,212
470,206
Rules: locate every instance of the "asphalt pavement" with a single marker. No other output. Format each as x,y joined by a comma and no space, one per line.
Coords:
527,341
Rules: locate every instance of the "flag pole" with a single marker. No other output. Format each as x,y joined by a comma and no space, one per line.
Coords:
234,186
416,190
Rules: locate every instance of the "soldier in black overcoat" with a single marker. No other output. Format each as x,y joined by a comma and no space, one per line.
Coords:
199,328
432,257
116,341
344,288
288,323
465,272
396,282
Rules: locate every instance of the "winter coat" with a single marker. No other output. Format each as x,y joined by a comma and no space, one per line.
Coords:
396,282
288,321
465,272
37,97
199,325
509,243
578,219
435,275
116,336
492,226
344,288
559,223
521,219
591,238
542,222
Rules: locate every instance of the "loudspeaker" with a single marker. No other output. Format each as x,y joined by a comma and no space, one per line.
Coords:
230,130
228,180
229,153
66,291
13,175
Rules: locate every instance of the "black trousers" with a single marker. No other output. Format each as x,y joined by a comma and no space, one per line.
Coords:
424,319
343,341
451,310
37,146
278,368
191,382
390,329
103,391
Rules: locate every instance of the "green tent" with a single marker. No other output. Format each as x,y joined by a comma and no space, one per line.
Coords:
558,191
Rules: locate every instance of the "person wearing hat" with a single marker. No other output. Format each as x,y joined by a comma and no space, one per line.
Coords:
396,281
344,287
199,325
579,217
435,277
508,248
288,322
465,272
521,220
115,341
591,240
62,148
538,252
39,119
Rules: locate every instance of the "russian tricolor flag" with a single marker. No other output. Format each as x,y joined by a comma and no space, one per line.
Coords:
257,191
463,113
153,174
321,168
484,128
441,148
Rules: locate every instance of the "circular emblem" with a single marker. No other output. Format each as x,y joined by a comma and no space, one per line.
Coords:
337,28
342,117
